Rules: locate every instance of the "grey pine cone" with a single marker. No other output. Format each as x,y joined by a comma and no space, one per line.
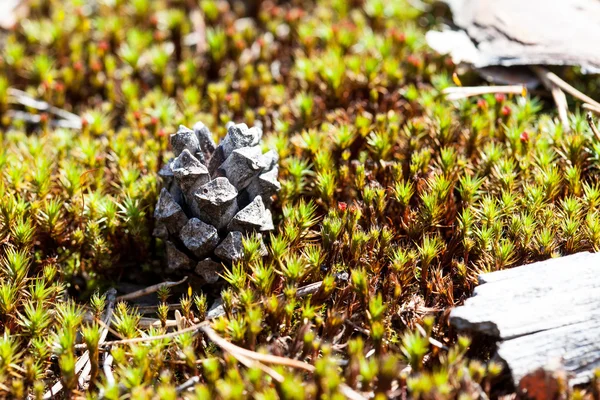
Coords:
213,196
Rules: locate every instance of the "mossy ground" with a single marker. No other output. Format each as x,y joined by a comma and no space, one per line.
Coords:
410,194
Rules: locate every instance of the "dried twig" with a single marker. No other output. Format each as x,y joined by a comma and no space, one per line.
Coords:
149,289
213,314
69,120
266,358
590,121
193,328
187,384
557,94
591,108
301,292
457,93
37,119
156,323
198,37
152,309
107,368
566,87
83,363
245,355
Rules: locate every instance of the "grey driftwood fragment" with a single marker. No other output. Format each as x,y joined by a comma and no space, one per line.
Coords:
516,32
205,209
539,313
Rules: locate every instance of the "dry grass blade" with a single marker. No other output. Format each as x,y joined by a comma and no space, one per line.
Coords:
457,93
149,290
83,363
193,328
590,120
552,77
591,108
265,358
187,384
557,94
241,354
26,100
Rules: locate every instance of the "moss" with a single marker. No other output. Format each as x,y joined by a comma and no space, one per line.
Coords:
391,195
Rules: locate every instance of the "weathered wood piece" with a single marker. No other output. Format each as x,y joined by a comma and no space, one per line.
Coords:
516,32
540,312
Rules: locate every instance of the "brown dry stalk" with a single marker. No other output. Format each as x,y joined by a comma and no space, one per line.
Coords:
552,77
252,358
149,289
266,358
557,94
590,107
590,121
457,93
83,363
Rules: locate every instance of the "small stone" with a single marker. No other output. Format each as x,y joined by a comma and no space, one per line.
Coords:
178,260
239,136
169,213
242,166
265,185
209,270
231,248
185,138
205,139
267,221
200,238
249,218
216,202
189,172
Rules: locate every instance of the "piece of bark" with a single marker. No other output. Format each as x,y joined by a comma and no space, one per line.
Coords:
576,346
540,312
534,32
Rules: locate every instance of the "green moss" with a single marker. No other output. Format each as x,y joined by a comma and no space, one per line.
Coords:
391,195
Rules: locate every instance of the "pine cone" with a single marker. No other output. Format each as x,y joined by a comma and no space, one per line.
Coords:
213,196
